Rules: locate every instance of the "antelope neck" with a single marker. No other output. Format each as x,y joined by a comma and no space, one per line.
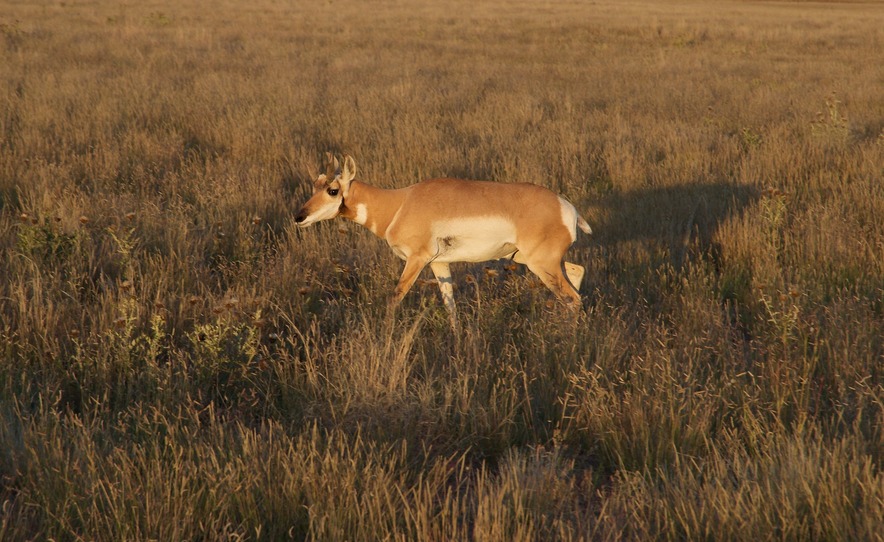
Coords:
379,204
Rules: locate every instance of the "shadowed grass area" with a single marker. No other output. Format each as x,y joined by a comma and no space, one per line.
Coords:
178,361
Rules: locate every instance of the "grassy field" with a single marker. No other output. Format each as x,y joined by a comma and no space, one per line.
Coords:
179,362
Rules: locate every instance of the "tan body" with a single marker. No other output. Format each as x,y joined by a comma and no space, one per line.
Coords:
440,221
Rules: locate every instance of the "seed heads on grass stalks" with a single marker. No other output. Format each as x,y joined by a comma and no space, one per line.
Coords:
831,124
426,283
782,312
773,212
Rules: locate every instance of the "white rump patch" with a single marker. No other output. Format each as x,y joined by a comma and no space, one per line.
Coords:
569,217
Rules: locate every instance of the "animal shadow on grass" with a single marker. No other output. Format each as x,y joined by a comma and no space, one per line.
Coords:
633,230
681,220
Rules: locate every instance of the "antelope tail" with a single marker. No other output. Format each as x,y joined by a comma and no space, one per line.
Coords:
584,227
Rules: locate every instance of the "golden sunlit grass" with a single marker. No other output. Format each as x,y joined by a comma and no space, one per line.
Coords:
180,362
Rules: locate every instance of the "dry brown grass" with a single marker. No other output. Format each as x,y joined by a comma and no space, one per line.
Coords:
179,362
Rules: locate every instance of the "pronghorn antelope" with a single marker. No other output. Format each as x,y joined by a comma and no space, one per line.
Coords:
440,221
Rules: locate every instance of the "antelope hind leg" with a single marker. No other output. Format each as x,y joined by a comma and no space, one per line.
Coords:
575,274
551,275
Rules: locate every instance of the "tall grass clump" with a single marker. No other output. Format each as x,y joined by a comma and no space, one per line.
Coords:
178,361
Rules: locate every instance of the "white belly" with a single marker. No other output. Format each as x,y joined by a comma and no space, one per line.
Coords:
473,239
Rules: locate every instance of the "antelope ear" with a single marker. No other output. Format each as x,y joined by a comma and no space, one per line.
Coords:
347,173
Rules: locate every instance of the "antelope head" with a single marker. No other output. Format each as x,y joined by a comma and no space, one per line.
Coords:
329,191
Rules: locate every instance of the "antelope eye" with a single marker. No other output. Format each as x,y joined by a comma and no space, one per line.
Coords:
332,191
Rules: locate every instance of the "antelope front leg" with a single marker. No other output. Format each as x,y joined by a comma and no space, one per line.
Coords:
443,276
413,267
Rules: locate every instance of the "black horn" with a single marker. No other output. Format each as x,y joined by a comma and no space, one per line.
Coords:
332,166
